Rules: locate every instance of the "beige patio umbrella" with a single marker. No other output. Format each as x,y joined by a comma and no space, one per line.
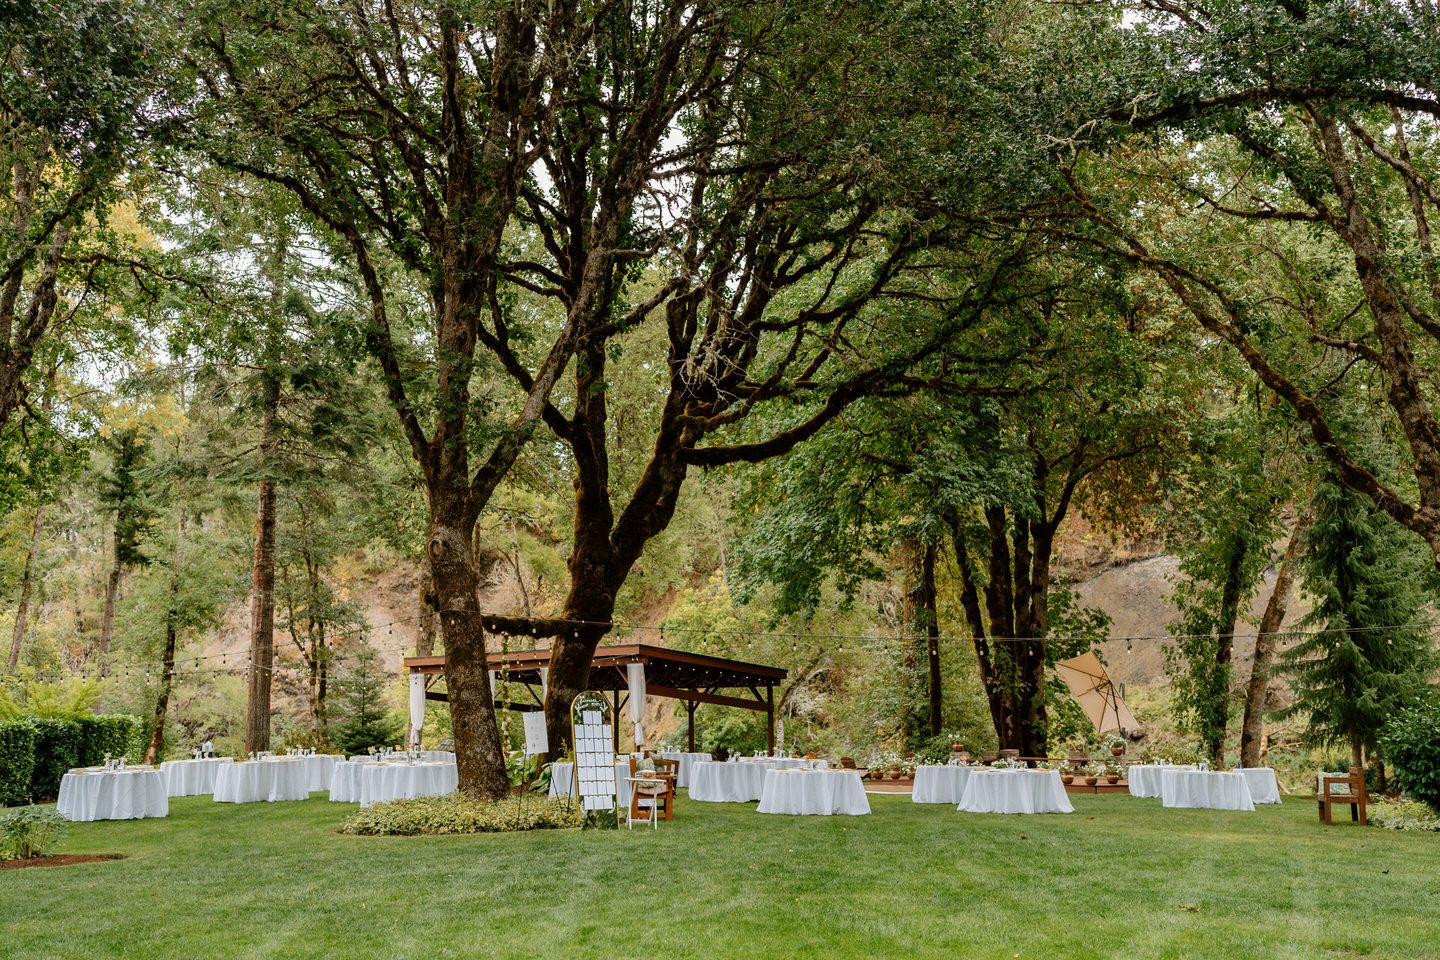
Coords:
1097,696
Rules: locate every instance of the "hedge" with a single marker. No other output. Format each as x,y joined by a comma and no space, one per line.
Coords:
17,759
35,752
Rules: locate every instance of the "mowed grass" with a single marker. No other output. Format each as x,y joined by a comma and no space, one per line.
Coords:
1120,877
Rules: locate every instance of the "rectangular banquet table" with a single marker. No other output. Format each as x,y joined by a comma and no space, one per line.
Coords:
562,780
1264,788
263,781
935,784
190,778
1015,791
1206,789
381,782
131,794
823,792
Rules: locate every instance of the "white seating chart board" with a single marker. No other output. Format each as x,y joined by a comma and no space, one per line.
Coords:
594,737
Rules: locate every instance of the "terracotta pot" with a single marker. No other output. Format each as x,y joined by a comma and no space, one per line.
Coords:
1117,751
957,747
1090,781
1112,778
894,773
1067,777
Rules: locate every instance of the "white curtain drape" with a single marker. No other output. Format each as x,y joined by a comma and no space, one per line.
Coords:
544,682
417,706
635,674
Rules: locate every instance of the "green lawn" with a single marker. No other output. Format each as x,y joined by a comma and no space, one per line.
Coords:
275,880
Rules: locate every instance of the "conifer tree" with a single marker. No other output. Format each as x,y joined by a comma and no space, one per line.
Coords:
1373,584
362,705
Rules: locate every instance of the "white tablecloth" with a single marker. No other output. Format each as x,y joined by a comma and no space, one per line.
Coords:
715,782
1264,788
562,781
189,778
260,781
345,780
318,767
687,763
1015,791
380,782
813,792
119,795
1145,778
939,784
1209,789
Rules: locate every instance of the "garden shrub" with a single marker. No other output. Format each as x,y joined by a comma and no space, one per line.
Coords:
456,813
57,750
1404,815
117,734
29,832
1410,741
17,759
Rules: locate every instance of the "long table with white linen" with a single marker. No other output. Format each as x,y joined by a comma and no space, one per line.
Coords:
190,778
263,781
98,794
935,784
687,763
1264,788
382,781
822,792
1205,789
562,780
1015,791
1144,778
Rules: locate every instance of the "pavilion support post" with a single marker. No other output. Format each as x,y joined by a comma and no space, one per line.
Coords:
691,724
770,718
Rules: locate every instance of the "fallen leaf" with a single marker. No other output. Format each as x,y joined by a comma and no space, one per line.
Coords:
1191,909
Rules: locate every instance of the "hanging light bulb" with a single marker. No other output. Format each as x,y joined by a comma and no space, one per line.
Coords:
1128,645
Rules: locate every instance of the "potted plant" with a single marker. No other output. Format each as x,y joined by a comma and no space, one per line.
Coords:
1112,774
1117,745
1066,776
1092,773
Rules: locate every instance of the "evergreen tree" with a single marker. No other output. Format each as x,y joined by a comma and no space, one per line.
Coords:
361,703
1373,584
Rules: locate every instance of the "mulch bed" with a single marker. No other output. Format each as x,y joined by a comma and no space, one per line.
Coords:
58,860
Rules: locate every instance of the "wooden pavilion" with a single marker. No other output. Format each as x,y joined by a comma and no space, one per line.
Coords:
692,677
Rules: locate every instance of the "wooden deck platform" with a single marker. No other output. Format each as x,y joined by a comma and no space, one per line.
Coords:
1120,786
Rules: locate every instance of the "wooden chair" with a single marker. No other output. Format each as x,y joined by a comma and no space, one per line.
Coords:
661,798
1354,795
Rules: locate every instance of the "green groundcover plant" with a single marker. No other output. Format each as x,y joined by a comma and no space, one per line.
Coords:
457,813
29,832
1410,740
1404,815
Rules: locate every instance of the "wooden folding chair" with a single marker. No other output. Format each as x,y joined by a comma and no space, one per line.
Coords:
651,801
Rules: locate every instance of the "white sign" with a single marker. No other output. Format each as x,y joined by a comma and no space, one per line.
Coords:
593,734
535,739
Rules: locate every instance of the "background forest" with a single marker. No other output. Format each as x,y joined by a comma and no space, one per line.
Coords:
897,344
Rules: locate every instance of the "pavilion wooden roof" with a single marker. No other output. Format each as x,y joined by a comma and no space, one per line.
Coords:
676,674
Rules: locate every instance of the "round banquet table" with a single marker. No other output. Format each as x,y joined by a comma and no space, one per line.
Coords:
939,784
1144,778
345,780
1206,789
438,756
87,794
189,778
562,780
380,782
1264,788
319,768
821,792
1015,791
263,781
714,782
687,763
